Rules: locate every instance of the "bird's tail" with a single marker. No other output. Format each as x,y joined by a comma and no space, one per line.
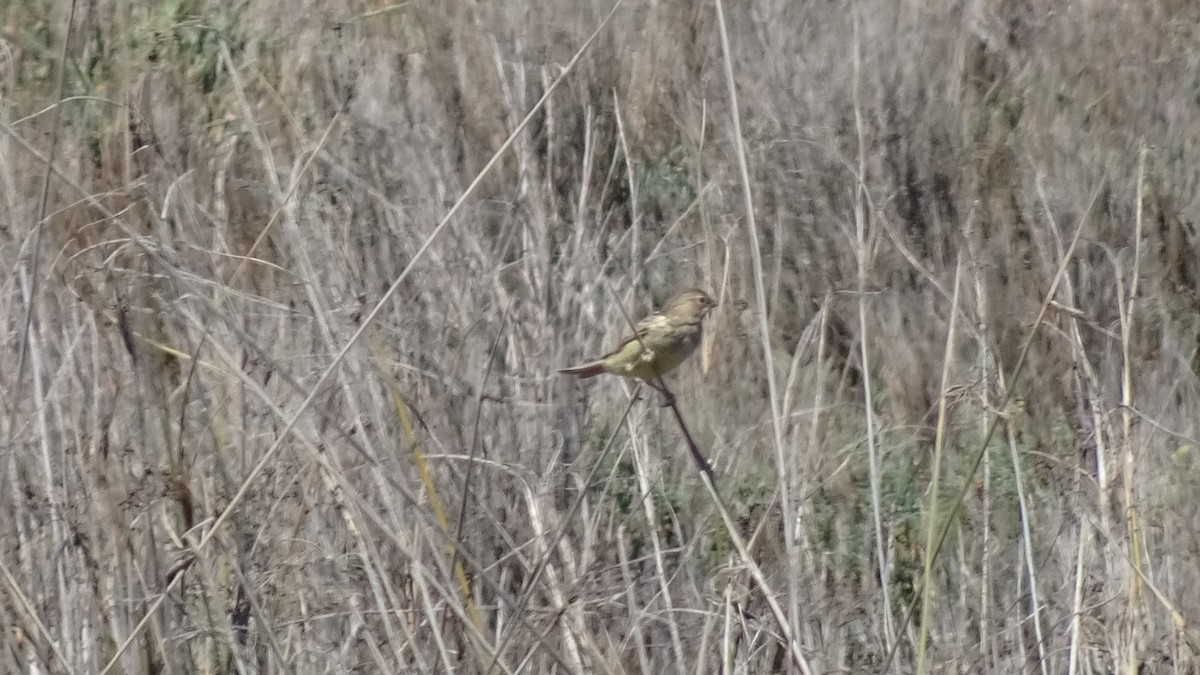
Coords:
585,370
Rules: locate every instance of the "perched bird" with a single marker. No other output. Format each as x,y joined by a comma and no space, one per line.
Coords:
660,342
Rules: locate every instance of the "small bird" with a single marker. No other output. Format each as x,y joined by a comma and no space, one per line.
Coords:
660,342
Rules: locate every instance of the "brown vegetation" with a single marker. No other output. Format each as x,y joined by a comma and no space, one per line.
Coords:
204,471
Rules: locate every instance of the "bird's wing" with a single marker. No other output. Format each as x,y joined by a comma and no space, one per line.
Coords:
655,322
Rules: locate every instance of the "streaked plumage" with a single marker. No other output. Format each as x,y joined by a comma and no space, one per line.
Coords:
670,334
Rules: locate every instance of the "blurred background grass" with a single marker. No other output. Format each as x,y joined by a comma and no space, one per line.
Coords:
235,185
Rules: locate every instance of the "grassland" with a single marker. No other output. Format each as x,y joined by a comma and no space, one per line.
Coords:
287,284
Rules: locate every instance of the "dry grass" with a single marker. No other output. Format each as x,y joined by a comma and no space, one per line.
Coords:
230,448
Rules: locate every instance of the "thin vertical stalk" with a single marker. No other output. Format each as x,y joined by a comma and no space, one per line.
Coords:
764,330
862,251
939,443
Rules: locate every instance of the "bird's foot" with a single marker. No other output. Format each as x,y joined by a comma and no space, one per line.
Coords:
668,399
